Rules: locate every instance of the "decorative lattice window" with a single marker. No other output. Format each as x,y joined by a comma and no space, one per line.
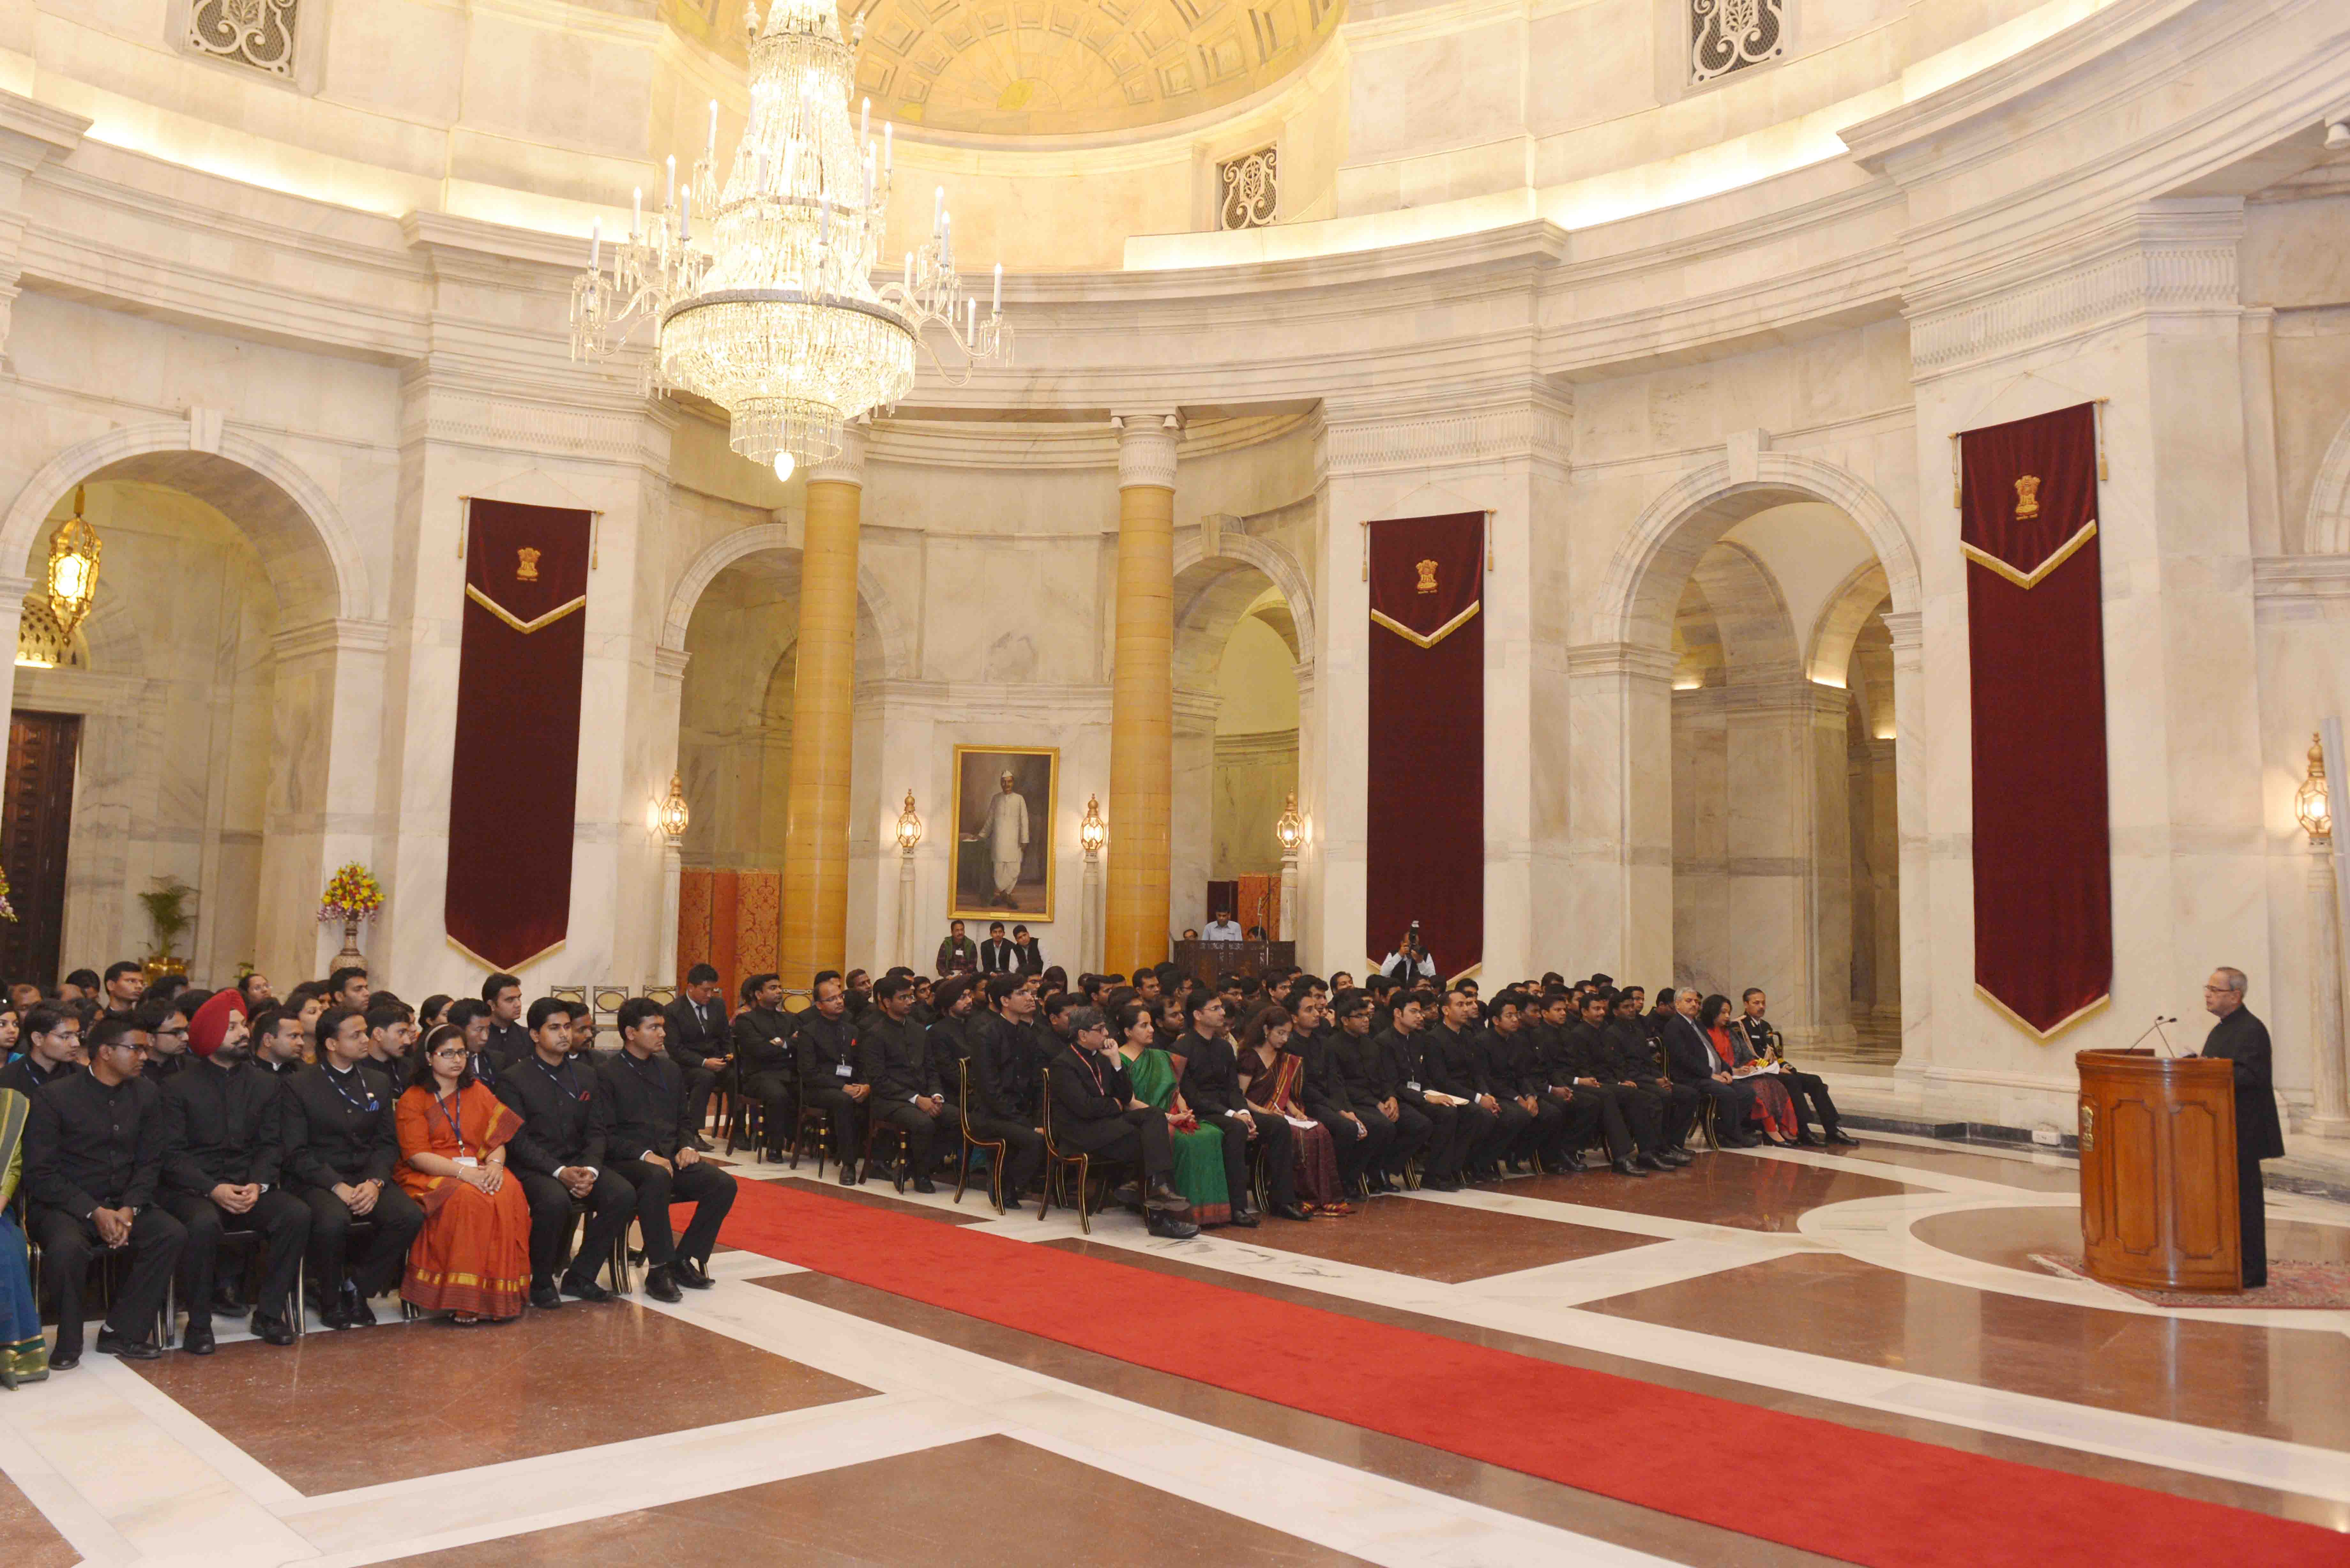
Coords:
1248,184
254,32
42,644
1728,35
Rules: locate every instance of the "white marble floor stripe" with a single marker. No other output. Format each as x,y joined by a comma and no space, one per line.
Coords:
1591,1279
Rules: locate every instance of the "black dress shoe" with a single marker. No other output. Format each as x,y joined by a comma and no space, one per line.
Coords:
661,1285
1838,1136
225,1302
356,1310
335,1316
1439,1184
848,1175
1291,1211
584,1290
1161,1194
924,1184
1127,1195
64,1360
271,1330
1246,1219
1624,1167
703,1144
1803,1140
112,1344
545,1297
1648,1162
198,1339
689,1274
1676,1157
1169,1227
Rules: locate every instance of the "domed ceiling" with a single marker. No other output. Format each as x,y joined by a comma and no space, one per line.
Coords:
1056,67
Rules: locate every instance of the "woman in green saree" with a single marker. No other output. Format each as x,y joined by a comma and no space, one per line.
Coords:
24,1356
1198,1153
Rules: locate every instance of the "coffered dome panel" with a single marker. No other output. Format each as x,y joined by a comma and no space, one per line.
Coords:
1056,68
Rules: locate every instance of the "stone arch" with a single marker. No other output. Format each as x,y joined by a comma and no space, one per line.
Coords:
1234,550
1750,615
1828,650
897,649
2325,531
311,553
1642,586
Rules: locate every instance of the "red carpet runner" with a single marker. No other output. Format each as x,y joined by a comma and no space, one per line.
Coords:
1861,1496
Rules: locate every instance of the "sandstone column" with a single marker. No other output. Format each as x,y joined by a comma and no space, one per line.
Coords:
815,835
1142,694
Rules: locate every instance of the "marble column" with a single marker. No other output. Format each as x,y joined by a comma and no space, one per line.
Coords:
672,889
815,835
1142,694
2329,1073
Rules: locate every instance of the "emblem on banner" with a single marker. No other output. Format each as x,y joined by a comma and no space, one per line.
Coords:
2027,497
526,566
1427,577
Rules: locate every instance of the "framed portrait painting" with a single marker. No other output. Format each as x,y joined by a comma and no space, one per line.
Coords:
1007,799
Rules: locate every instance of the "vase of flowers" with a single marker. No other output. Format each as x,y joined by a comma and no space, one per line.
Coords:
167,911
352,895
7,911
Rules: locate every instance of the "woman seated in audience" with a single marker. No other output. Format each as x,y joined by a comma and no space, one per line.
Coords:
24,1354
471,1259
1273,1080
1198,1173
1772,1106
434,1012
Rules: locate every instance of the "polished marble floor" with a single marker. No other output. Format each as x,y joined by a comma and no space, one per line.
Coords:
788,1417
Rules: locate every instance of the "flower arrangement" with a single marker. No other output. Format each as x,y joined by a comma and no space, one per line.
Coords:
352,895
7,911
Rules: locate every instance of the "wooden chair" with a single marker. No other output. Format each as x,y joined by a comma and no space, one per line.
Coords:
875,1127
622,1282
1057,1166
997,1148
819,1118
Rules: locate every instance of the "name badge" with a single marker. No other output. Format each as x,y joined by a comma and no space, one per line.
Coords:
467,1160
840,1069
1412,1083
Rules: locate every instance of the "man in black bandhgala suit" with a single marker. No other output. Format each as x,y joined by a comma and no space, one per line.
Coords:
2242,1039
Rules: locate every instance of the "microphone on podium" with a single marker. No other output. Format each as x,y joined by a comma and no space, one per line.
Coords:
2154,1029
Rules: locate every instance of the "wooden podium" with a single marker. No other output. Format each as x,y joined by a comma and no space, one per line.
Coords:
2158,1171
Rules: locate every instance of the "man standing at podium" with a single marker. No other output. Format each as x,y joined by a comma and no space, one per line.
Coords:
2241,1038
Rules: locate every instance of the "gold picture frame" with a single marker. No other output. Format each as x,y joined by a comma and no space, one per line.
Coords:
972,892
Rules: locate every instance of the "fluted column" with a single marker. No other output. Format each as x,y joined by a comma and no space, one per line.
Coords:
815,835
1142,694
2329,1073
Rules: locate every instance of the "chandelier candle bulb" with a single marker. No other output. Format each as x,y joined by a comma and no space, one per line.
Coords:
864,119
995,305
595,245
636,213
673,179
685,218
937,212
712,151
885,146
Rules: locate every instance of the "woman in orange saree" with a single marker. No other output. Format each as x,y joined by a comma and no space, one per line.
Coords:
472,1257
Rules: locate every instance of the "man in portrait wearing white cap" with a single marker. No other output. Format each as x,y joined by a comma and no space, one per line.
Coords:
1005,833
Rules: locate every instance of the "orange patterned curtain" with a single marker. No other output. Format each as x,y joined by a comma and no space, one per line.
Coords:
731,921
1260,905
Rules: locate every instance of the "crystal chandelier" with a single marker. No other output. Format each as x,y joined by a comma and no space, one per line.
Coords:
771,313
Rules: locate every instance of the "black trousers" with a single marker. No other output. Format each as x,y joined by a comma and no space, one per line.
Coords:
711,1191
1580,1121
1024,1150
281,1219
921,1128
1507,1131
1732,1104
1359,1148
1138,1138
777,1096
1676,1106
396,1219
1453,1129
1802,1086
848,1121
68,1243
1413,1131
2252,1222
611,1204
1280,1161
699,1084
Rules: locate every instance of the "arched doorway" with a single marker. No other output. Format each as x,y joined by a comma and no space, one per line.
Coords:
192,721
1240,697
1767,600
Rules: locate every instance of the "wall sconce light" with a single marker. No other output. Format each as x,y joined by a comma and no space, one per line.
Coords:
73,568
674,816
2311,804
1290,830
910,827
1093,832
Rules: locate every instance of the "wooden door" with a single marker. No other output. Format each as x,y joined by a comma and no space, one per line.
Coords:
36,820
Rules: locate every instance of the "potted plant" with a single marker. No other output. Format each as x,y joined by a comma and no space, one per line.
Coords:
167,911
352,895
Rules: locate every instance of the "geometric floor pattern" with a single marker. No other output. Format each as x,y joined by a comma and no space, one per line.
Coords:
792,1417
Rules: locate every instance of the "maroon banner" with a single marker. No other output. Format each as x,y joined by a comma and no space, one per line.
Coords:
1426,813
2035,625
515,770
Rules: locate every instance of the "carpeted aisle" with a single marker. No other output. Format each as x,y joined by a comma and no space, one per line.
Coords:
1861,1496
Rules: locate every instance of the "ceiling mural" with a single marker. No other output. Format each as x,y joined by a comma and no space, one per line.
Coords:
1056,68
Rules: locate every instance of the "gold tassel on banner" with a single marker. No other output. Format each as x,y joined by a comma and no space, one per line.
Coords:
1366,549
1488,541
1958,501
2100,418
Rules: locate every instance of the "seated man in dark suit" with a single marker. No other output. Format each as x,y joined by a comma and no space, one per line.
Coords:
1633,1060
649,1136
1095,1110
342,1140
1694,1061
762,1062
826,1048
507,1038
699,1043
558,1158
1371,1090
1515,1074
94,1149
277,1041
1765,1041
1450,1064
1210,1083
1006,1086
226,1131
51,1040
894,1060
1360,1140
